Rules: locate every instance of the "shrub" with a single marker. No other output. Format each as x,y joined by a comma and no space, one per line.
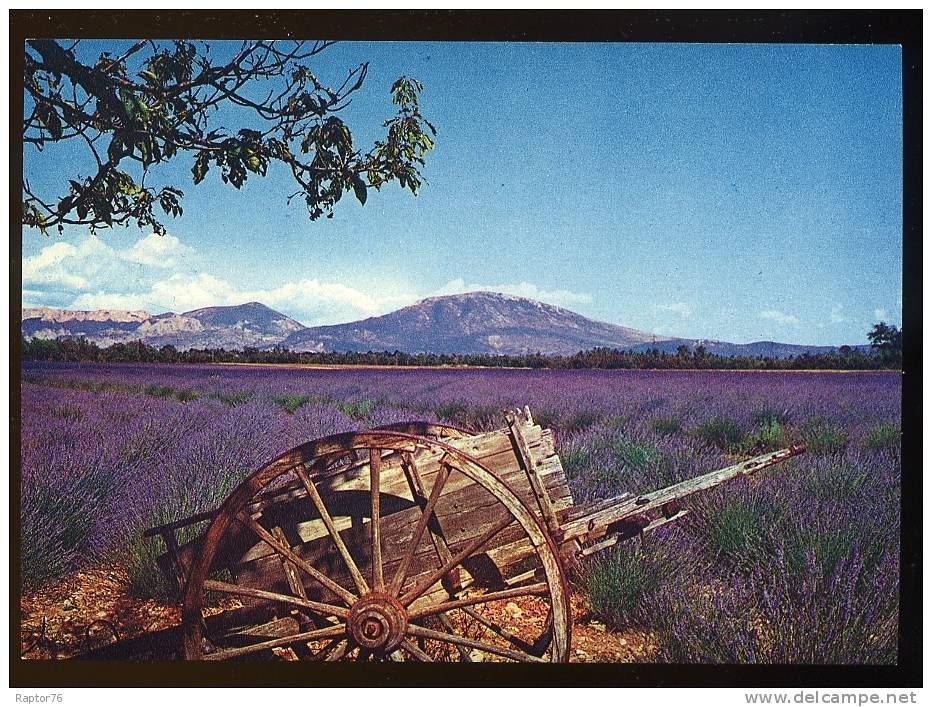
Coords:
778,617
769,416
655,402
233,399
291,402
723,432
810,548
357,409
582,419
620,580
821,436
575,461
68,412
59,516
546,417
737,529
637,455
837,481
769,436
484,418
452,411
666,425
882,436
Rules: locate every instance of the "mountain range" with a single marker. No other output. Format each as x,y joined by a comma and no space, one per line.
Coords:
476,322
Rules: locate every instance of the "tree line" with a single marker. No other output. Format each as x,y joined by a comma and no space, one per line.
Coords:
885,353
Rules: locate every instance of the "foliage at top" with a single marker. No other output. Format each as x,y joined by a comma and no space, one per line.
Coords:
235,117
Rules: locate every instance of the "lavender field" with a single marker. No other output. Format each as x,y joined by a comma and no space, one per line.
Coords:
799,565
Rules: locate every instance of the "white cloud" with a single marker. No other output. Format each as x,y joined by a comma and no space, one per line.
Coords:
837,316
67,265
880,313
90,264
562,298
684,309
310,301
156,251
778,317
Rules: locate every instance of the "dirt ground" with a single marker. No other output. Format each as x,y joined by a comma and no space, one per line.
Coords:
91,608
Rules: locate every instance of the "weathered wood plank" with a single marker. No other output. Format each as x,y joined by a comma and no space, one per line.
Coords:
592,523
529,464
616,538
462,499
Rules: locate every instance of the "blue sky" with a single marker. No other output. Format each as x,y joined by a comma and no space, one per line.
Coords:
734,192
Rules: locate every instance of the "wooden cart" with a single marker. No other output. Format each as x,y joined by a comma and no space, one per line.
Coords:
416,542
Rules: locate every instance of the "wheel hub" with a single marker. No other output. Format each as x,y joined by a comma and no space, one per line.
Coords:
378,622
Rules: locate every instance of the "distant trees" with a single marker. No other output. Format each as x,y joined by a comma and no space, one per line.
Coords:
846,358
887,343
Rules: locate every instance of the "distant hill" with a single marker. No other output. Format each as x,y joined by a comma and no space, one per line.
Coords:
477,322
766,349
233,327
103,326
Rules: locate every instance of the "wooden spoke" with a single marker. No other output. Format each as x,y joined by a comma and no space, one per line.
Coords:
328,632
315,606
435,576
448,627
426,513
363,655
421,632
295,559
358,579
338,653
416,485
501,631
288,568
531,589
375,524
321,653
415,652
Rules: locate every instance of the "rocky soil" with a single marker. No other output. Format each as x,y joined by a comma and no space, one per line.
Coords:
93,607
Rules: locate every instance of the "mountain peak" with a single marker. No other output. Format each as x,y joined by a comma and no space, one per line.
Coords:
234,308
471,322
487,297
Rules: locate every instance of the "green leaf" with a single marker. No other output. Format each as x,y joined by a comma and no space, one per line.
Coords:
199,171
359,187
129,107
54,125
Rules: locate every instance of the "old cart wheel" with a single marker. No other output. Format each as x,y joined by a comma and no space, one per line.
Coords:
376,546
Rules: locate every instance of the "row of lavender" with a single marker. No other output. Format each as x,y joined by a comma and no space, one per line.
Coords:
798,566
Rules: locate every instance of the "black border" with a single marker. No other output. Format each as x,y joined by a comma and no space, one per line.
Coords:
902,27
